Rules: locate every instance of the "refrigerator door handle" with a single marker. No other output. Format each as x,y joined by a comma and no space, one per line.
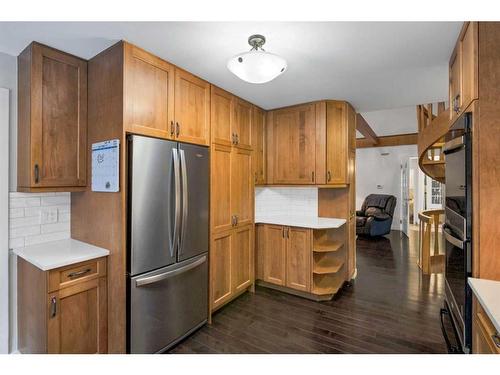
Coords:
184,199
177,184
162,276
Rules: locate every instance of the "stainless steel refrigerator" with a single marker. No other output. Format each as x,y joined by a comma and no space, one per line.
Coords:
168,242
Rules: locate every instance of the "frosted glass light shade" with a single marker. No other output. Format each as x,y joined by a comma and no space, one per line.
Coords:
257,66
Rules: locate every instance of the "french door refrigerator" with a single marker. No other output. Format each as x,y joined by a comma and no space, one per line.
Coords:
168,238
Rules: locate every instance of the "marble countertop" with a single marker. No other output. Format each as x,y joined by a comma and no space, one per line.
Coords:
313,222
55,254
488,294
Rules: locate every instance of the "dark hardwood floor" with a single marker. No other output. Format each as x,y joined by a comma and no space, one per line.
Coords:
389,308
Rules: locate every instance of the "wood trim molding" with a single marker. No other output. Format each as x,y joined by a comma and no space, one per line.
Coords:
365,129
389,140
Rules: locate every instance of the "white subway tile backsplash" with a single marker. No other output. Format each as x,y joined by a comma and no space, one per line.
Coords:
38,217
293,201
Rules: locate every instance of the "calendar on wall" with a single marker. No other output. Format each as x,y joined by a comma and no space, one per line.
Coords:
106,166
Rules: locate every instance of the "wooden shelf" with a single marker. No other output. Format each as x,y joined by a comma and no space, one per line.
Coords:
322,270
328,247
433,162
327,284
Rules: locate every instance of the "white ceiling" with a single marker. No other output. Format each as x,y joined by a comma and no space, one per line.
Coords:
392,121
373,65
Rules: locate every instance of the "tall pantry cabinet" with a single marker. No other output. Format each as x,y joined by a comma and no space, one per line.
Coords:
232,198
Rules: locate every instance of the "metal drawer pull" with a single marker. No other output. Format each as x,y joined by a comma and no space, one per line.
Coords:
166,275
496,340
53,307
79,273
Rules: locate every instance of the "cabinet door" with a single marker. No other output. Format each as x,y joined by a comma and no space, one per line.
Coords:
293,145
336,143
53,119
220,269
298,258
192,108
221,189
258,146
242,265
242,194
221,119
469,65
274,255
243,123
455,82
77,319
148,94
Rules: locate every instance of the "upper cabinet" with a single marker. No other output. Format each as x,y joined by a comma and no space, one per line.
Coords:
291,141
221,116
258,146
192,108
242,125
464,70
164,101
340,140
310,143
52,120
149,94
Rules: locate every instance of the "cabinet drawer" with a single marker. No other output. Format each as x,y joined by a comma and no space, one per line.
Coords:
485,328
75,273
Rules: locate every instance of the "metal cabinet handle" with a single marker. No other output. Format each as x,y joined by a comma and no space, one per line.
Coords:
79,273
237,139
283,232
53,307
328,176
37,174
496,339
172,128
236,219
177,129
287,232
233,139
312,176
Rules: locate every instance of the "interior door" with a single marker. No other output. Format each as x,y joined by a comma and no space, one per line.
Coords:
194,161
242,266
275,255
152,218
294,145
192,108
405,197
298,258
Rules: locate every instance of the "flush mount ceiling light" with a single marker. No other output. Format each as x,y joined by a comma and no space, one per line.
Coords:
257,65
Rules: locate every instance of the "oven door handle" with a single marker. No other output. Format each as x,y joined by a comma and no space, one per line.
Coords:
453,240
451,348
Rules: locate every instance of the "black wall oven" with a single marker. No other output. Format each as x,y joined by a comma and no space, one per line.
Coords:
457,232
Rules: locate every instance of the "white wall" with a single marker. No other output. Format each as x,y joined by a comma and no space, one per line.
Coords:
373,169
8,79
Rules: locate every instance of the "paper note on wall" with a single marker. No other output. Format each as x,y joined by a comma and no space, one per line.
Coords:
106,166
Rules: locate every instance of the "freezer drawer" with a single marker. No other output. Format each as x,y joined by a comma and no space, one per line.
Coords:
167,304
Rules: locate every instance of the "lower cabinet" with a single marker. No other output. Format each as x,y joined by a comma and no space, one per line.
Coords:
286,253
231,264
64,310
485,338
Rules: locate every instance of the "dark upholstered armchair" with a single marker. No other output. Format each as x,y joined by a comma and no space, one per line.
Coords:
375,216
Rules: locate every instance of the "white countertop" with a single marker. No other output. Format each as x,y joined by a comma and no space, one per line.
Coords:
313,222
55,254
488,294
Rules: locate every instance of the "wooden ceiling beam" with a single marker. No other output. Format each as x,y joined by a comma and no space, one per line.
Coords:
389,140
365,129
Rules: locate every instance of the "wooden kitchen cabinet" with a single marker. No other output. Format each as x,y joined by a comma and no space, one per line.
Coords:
52,120
63,311
485,338
463,85
291,140
149,98
231,264
241,191
221,188
242,125
258,146
298,258
192,108
221,116
274,254
340,141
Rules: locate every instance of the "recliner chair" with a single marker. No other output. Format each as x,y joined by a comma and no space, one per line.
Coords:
375,216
